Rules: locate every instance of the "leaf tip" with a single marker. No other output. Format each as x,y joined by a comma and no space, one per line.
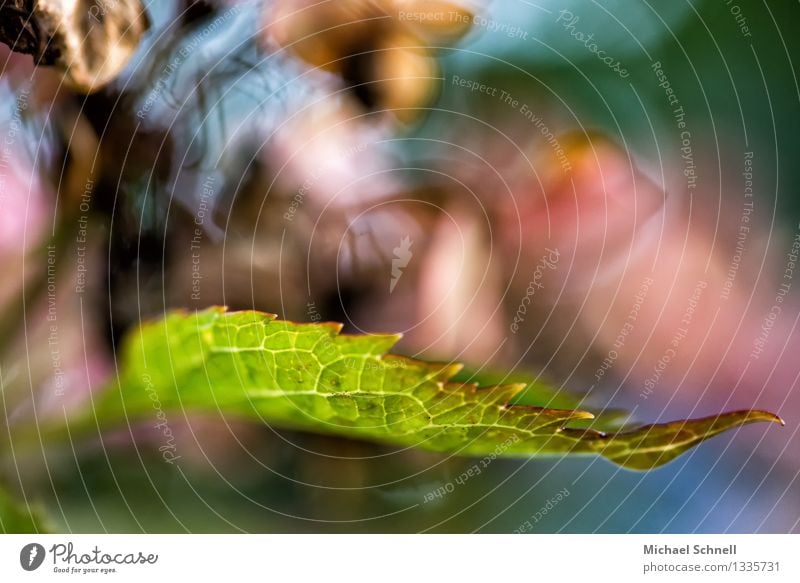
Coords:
771,417
756,416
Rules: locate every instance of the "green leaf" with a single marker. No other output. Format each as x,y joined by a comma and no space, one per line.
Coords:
311,377
16,517
541,394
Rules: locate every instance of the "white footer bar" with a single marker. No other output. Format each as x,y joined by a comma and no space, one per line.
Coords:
401,558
